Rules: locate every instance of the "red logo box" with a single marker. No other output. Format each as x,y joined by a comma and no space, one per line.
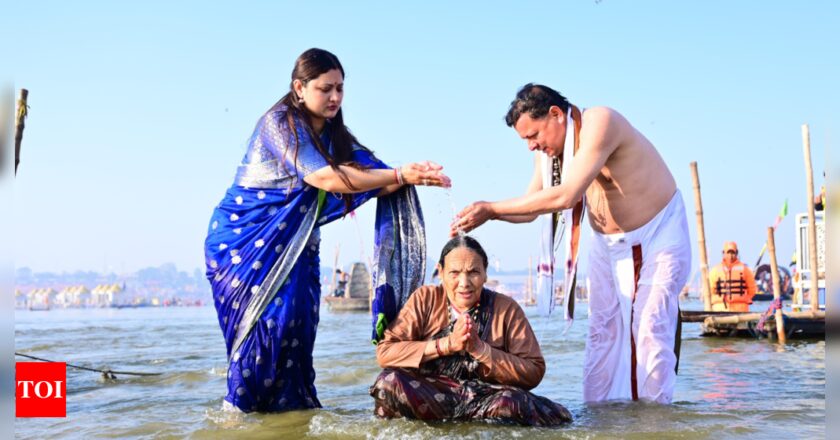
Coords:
40,389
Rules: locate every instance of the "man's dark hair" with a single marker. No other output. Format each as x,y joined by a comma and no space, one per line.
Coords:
535,100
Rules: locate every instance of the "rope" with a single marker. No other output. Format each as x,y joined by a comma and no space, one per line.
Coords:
775,305
107,374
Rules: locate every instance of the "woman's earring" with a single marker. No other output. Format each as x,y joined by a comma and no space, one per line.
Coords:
300,99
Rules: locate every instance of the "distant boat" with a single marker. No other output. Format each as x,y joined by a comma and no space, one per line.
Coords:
764,283
529,299
356,293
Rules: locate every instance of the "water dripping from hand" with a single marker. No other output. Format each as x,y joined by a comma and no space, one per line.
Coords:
454,216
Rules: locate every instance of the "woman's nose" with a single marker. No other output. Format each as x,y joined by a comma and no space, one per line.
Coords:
462,279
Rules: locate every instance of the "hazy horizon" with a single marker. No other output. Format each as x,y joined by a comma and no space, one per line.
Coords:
139,114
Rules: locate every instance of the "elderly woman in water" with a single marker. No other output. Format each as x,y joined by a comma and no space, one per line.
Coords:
458,351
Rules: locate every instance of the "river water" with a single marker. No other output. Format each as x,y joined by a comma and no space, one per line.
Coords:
727,388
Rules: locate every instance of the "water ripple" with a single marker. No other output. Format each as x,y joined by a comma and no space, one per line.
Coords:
726,387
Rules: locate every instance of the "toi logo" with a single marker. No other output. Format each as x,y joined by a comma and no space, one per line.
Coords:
40,389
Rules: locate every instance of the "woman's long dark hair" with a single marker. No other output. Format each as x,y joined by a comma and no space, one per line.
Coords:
310,65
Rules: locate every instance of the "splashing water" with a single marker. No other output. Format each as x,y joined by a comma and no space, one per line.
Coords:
461,233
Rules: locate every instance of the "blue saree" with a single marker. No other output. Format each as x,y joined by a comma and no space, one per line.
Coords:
262,261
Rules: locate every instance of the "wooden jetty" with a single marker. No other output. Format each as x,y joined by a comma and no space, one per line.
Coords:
803,321
797,325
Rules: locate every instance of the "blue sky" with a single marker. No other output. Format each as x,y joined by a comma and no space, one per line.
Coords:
140,113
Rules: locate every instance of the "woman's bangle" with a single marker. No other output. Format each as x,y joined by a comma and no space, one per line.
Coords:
437,347
399,176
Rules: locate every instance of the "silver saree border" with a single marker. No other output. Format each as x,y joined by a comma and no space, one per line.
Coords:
277,275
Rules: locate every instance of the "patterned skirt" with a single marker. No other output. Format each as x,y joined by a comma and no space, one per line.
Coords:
400,392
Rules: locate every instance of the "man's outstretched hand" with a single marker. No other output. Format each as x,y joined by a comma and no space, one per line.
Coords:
471,217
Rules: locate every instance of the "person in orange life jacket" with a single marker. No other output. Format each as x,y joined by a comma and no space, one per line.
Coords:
732,282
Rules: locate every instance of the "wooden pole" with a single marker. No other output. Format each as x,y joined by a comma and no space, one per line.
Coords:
20,116
812,222
335,268
701,241
777,287
529,285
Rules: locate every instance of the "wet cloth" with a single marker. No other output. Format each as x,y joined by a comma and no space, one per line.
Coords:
634,281
553,170
399,258
458,387
402,392
261,253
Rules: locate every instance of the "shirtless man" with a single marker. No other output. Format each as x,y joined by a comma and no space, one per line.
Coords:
640,254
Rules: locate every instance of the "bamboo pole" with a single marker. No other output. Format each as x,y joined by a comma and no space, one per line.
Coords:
777,288
529,285
732,319
20,116
701,241
812,222
746,316
711,321
335,268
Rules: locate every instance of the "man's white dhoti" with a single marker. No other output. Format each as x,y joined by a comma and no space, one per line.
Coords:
634,282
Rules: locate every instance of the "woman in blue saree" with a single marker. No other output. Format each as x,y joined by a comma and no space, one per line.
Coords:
303,169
